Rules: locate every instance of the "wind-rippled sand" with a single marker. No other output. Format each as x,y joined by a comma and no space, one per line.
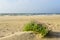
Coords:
10,25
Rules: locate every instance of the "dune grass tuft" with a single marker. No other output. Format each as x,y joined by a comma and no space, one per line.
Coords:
36,28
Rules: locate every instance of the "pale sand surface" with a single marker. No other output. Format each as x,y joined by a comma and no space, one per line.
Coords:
12,24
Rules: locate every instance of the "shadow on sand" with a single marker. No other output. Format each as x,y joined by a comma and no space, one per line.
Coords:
52,34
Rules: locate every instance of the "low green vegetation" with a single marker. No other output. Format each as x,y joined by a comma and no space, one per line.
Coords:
36,28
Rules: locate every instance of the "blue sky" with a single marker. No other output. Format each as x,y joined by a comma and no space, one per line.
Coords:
29,6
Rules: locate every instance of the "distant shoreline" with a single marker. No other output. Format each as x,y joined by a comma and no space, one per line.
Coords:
27,14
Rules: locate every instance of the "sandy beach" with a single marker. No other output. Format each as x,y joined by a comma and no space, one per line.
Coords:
13,24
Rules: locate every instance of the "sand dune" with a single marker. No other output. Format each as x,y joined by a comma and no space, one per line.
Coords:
19,36
9,25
